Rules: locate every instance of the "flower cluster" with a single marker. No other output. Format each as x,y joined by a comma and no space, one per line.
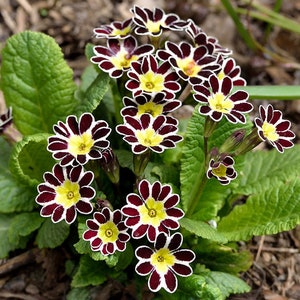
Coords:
155,78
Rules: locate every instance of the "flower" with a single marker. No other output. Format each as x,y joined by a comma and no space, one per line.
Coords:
222,169
6,119
154,105
151,76
152,211
119,54
76,142
155,22
65,191
164,262
230,69
219,100
106,232
192,64
147,132
115,30
199,38
272,128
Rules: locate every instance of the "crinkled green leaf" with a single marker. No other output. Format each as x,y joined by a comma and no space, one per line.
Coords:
30,159
227,283
192,162
14,196
5,244
90,272
36,82
91,94
23,225
263,167
211,285
52,235
79,293
224,258
202,229
268,211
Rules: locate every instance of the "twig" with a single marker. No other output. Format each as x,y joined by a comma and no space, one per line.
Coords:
18,261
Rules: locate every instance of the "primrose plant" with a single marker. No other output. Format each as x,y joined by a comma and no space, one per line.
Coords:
147,164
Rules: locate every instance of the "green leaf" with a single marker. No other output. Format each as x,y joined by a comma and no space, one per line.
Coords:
14,197
269,211
202,229
5,244
210,285
52,235
90,272
36,82
227,283
91,94
30,159
263,167
224,258
192,162
23,225
79,293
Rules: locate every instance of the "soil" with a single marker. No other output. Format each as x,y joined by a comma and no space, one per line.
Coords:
275,274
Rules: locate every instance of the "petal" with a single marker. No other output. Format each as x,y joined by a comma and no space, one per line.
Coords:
183,270
143,268
143,252
154,281
170,281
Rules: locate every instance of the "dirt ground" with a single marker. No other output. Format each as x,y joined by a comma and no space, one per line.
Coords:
275,274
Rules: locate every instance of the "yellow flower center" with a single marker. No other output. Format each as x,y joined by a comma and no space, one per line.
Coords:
148,137
80,144
220,171
220,103
188,66
162,260
269,131
153,27
67,194
151,82
120,32
123,60
152,212
150,108
108,232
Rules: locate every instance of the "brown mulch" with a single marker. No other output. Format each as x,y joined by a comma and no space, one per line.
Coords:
275,275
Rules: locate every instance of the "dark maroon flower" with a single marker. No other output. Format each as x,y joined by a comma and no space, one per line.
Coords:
106,232
155,22
115,30
272,128
192,64
199,38
119,54
152,76
154,105
222,169
65,192
77,142
152,210
230,69
147,132
164,262
219,99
